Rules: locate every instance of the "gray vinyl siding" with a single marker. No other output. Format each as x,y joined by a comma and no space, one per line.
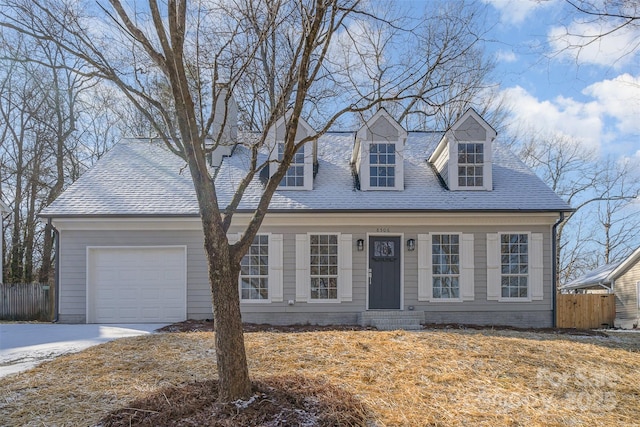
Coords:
626,291
478,311
73,267
73,279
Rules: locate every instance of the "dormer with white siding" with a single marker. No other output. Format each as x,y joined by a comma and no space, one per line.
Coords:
378,153
463,158
300,174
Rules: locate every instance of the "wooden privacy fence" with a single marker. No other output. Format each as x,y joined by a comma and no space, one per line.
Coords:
26,301
585,311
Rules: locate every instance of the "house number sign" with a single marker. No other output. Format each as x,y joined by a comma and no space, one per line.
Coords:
383,230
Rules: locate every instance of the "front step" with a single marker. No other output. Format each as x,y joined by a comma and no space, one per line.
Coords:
386,320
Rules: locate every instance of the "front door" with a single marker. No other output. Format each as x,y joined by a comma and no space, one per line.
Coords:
384,272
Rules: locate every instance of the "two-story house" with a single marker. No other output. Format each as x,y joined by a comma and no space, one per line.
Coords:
380,227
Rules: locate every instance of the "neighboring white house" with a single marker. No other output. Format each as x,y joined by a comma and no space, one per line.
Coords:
380,226
3,209
620,278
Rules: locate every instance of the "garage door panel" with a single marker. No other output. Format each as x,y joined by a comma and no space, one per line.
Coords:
137,284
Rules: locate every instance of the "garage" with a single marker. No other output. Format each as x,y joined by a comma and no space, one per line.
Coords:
136,284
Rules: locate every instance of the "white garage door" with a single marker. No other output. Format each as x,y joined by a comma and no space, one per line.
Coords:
136,284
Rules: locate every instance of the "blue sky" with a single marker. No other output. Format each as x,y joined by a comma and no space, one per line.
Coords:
593,97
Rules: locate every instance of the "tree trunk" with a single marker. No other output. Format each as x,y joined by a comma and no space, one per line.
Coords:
233,373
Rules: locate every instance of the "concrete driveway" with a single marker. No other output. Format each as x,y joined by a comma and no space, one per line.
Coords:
25,345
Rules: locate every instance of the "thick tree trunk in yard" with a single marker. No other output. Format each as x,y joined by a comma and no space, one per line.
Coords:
224,269
233,373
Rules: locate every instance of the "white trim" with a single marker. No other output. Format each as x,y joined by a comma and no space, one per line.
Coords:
364,139
366,270
535,280
275,269
345,274
626,264
301,218
89,249
309,147
425,290
308,279
365,166
466,278
536,267
452,142
345,267
302,268
493,267
467,267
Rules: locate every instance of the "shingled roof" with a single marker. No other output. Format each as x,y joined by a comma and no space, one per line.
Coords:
139,177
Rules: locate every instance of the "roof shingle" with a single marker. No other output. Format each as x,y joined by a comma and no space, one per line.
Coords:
142,178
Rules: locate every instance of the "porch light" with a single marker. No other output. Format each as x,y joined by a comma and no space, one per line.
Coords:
360,245
411,244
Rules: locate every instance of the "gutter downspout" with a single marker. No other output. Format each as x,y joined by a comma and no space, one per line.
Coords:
554,269
56,278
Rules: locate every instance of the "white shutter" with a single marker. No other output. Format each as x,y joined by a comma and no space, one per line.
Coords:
275,267
425,281
493,267
467,281
345,263
536,263
303,283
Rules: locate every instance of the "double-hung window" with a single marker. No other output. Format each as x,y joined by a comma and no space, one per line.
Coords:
324,269
323,266
382,164
514,265
470,164
254,270
445,261
295,174
446,265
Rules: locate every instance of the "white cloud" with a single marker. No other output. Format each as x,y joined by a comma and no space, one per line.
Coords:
579,41
516,11
506,56
608,119
563,116
619,98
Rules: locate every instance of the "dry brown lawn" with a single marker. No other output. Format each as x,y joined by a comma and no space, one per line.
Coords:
437,377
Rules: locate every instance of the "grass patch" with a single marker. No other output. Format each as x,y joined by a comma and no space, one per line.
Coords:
438,377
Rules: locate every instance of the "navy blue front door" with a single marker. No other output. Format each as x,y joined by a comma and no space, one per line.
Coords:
384,272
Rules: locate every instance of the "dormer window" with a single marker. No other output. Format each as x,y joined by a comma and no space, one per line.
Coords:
470,164
463,156
378,154
295,174
299,175
382,164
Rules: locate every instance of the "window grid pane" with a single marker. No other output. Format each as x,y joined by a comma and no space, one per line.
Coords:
470,164
514,265
295,174
382,165
445,261
323,266
254,270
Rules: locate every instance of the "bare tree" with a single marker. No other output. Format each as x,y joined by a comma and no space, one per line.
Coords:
181,61
595,189
618,216
602,19
40,106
